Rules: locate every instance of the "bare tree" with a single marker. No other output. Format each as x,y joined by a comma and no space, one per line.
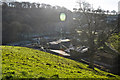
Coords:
4,4
48,6
38,5
11,4
75,9
24,5
43,5
114,12
28,4
95,28
17,5
107,11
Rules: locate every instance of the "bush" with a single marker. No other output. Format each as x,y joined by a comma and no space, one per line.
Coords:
114,40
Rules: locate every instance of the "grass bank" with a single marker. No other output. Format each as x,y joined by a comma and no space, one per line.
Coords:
22,62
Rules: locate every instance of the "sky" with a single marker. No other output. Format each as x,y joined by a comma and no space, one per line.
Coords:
105,4
70,4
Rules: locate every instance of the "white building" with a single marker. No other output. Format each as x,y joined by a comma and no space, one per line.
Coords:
119,7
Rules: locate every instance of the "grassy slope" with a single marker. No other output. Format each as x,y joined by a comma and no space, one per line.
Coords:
22,62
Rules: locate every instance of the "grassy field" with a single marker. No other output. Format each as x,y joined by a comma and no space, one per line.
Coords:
22,62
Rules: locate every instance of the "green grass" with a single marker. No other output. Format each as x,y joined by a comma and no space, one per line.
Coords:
114,40
22,62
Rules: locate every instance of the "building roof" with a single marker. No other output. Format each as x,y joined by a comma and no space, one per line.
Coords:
60,41
60,52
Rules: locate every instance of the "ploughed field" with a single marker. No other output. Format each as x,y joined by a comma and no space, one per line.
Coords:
22,62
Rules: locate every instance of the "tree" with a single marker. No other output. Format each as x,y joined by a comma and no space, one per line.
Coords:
107,11
48,6
114,12
75,9
96,30
43,5
4,5
33,5
24,5
38,5
28,4
11,4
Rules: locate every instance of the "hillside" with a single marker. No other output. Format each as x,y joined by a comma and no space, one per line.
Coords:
19,22
22,62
